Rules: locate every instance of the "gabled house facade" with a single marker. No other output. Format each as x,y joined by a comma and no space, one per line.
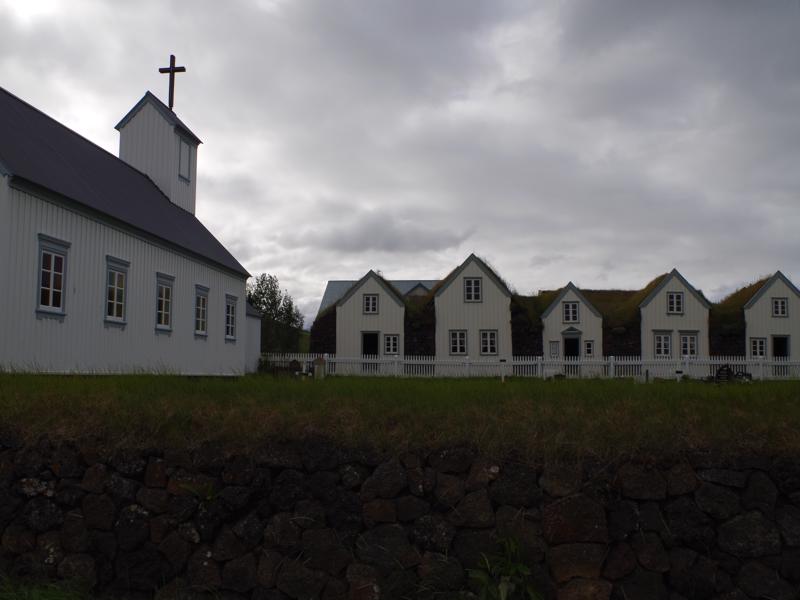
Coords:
104,266
473,313
771,320
370,319
674,320
571,326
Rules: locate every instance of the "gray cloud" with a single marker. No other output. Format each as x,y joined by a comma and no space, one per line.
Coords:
602,143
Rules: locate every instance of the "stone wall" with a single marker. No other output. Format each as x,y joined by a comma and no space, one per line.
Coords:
315,521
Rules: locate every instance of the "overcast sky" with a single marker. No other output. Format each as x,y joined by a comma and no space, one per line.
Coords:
602,142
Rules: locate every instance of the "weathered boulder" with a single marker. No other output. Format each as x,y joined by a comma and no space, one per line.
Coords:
576,560
759,581
474,510
386,481
749,536
239,574
718,501
386,546
585,589
640,482
440,572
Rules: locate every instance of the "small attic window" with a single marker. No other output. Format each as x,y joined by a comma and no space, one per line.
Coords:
185,160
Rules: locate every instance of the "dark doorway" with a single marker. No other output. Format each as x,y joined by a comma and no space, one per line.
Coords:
369,343
572,347
572,353
780,346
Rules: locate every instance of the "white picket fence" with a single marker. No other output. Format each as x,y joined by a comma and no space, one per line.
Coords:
537,366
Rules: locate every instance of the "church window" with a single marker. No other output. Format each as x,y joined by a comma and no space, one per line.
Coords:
164,293
488,341
570,312
674,303
52,274
391,343
185,161
116,289
458,341
370,304
230,317
200,310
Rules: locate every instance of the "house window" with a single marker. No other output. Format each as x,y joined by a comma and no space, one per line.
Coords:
674,303
758,347
164,287
116,289
458,342
52,274
230,317
472,289
554,350
391,343
570,312
780,307
488,341
200,310
689,345
663,345
588,348
370,304
185,162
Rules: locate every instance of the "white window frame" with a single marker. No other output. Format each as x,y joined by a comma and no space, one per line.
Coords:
555,348
473,289
200,312
588,348
780,307
117,268
758,347
675,303
458,341
230,317
391,344
662,344
689,343
370,304
165,303
54,248
488,342
185,149
569,312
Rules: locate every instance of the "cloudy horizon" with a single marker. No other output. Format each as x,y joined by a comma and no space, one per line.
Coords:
602,143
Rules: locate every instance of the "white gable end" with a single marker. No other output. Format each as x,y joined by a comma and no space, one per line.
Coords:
386,318
491,314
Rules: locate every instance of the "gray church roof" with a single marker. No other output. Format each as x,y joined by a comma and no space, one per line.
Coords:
41,154
338,288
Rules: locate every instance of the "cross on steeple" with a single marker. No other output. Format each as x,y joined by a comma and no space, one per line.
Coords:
172,69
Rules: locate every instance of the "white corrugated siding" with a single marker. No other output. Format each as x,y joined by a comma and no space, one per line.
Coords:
494,312
760,322
252,344
655,318
82,341
351,320
590,326
149,143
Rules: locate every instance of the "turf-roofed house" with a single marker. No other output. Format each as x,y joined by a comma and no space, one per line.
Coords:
103,263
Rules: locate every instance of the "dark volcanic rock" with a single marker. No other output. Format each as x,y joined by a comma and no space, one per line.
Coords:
736,479
690,524
386,546
620,562
516,486
42,514
788,518
387,481
432,532
202,570
576,560
79,567
269,562
410,508
639,482
470,545
297,581
759,581
287,489
644,585
650,552
175,549
749,536
439,572
98,511
574,519
324,551
449,490
240,574
143,569
718,501
474,510
760,493
585,589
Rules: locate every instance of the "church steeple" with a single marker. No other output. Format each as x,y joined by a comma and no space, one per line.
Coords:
155,141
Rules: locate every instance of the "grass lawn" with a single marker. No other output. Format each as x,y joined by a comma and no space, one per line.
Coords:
545,419
13,590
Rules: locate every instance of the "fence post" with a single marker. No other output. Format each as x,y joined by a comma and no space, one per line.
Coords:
540,366
761,369
611,367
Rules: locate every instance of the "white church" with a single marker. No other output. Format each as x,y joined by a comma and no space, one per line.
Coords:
104,266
